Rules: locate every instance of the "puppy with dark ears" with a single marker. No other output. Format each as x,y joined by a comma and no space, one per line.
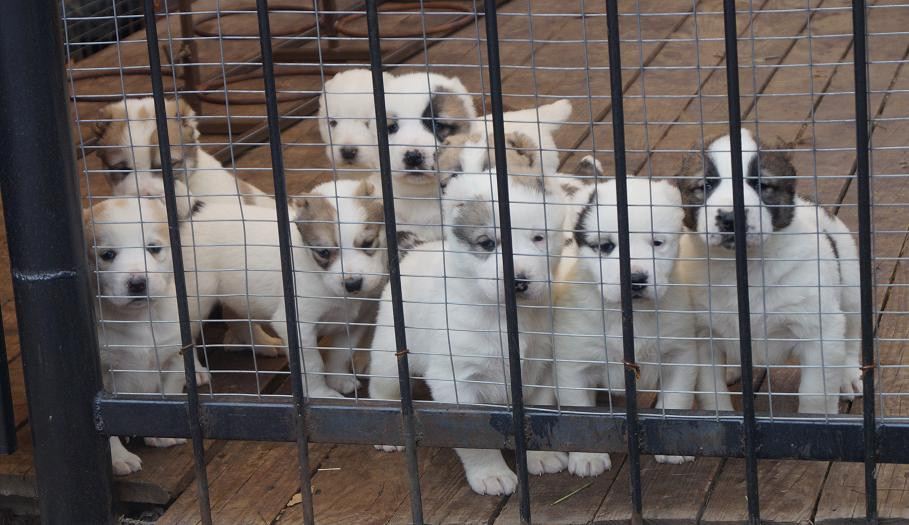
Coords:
803,272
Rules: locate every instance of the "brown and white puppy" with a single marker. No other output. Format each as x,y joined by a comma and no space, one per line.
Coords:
802,273
136,308
128,148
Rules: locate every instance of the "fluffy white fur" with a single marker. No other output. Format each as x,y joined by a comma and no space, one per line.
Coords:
589,318
803,291
347,120
539,124
138,330
454,311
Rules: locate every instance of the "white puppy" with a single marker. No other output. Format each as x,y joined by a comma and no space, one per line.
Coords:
138,330
802,275
128,149
423,110
347,120
588,321
454,310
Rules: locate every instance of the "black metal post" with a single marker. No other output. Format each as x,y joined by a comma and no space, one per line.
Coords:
866,269
511,307
49,271
7,417
618,134
394,272
741,259
287,265
176,247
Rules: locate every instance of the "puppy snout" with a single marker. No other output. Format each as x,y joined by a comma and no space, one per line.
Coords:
725,221
521,283
353,284
639,281
137,285
348,153
413,158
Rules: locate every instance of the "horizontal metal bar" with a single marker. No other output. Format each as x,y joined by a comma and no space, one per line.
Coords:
438,425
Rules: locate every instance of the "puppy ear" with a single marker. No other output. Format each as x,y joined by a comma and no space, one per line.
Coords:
365,189
590,169
552,116
189,126
103,121
524,147
408,240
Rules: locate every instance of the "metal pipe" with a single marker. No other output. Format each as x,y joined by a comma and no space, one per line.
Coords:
394,272
43,217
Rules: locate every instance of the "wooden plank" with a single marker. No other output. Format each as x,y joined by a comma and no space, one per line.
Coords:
249,482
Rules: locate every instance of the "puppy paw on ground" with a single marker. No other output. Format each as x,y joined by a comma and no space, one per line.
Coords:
163,442
673,460
125,463
588,463
389,448
852,385
343,383
540,462
493,481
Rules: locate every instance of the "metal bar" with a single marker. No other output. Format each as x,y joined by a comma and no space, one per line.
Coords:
447,425
511,308
176,247
618,133
394,272
866,268
730,33
43,217
7,416
287,266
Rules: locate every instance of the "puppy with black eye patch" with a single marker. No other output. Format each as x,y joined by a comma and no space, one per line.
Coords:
588,320
138,330
453,292
423,110
802,275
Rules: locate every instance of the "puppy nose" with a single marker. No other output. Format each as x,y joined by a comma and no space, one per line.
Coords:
521,283
639,281
136,285
348,153
725,221
353,284
413,158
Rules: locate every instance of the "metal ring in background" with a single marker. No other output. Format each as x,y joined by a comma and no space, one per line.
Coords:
198,21
342,26
212,91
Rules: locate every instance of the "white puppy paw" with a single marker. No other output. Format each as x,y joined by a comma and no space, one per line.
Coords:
673,460
344,383
389,448
733,374
203,376
125,462
492,480
588,463
852,384
163,442
543,462
323,391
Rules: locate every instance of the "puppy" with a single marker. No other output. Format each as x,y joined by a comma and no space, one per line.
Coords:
454,310
802,274
128,140
423,110
347,120
540,125
138,329
337,264
588,349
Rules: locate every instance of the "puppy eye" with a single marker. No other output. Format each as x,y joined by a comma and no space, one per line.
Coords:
393,127
607,247
154,249
767,189
538,238
322,253
708,185
486,243
657,243
368,244
120,166
108,255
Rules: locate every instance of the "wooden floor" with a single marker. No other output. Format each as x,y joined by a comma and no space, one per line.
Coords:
811,106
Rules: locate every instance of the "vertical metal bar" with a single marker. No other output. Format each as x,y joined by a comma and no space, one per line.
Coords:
43,216
741,258
187,56
7,417
863,170
394,272
176,247
618,140
511,307
287,265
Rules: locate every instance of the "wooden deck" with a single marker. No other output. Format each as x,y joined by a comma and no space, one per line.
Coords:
258,482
